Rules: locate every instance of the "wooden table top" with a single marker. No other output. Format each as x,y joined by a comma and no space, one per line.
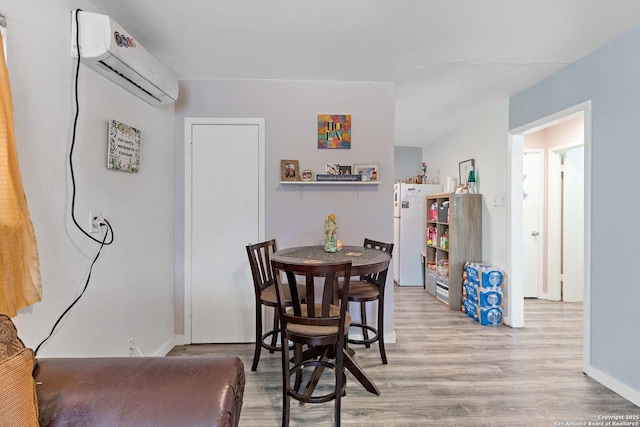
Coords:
364,260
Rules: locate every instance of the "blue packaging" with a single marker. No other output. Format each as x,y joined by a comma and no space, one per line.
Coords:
483,274
472,291
490,297
470,308
490,316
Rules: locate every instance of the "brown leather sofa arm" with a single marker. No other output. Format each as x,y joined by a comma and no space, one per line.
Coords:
143,391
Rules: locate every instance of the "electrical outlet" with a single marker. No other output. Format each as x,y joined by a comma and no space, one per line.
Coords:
131,344
94,225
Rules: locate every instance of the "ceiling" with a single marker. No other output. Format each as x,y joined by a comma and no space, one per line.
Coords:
448,59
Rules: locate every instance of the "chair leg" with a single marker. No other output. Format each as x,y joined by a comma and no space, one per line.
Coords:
276,325
363,317
339,381
286,383
297,358
256,353
383,354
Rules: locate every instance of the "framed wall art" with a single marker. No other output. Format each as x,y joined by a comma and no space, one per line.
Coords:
124,147
334,131
289,170
464,168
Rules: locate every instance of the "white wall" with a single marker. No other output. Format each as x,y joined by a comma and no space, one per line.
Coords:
295,215
484,139
609,78
131,289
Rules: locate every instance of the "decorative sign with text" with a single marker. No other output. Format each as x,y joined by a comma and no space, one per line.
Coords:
124,147
334,131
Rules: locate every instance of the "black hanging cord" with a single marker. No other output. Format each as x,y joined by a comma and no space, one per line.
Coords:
73,143
86,284
109,229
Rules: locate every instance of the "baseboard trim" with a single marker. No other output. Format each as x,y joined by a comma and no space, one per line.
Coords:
166,347
614,385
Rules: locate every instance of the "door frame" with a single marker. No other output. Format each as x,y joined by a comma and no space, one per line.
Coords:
541,236
554,207
515,244
189,122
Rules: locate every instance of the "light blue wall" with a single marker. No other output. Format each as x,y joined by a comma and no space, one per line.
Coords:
610,78
407,162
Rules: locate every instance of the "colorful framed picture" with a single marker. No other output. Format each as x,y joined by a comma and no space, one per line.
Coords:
334,131
368,171
289,170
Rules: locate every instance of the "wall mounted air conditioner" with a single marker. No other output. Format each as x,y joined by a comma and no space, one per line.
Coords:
110,50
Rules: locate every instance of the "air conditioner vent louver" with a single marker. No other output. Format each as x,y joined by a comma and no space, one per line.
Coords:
129,80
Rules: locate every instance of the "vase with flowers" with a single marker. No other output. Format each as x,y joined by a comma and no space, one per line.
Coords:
424,173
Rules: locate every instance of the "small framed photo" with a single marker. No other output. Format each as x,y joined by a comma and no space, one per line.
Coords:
307,175
345,170
368,171
289,170
464,168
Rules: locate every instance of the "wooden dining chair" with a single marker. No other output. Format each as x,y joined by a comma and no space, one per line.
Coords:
321,326
265,295
368,289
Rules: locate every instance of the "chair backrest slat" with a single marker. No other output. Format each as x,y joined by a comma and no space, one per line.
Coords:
379,278
324,296
260,261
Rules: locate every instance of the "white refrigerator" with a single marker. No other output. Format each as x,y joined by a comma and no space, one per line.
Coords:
409,216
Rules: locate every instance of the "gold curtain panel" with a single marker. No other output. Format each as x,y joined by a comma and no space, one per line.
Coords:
20,283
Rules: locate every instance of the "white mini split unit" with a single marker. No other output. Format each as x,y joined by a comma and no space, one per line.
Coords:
110,50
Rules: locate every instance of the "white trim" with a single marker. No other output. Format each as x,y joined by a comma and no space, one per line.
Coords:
165,348
188,136
613,384
554,224
180,339
514,250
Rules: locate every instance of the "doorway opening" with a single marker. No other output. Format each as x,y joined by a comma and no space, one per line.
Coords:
556,230
553,211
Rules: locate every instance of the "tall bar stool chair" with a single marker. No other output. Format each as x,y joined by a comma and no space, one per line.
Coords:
368,289
321,326
265,295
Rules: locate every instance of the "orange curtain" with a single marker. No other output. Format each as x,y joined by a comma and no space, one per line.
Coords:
20,283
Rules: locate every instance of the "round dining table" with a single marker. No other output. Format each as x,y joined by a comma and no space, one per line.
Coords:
363,261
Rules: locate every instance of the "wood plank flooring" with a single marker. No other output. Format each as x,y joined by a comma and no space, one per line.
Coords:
447,370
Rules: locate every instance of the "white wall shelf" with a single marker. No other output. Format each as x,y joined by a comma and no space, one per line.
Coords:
329,183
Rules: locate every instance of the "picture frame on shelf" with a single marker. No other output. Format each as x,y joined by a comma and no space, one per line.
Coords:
289,170
464,168
345,170
307,175
368,171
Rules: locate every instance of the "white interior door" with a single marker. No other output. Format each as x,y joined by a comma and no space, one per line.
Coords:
532,185
226,213
573,226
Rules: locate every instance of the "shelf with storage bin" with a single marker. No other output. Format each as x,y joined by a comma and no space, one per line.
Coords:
460,217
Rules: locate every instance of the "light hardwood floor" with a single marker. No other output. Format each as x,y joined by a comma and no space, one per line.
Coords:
447,370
